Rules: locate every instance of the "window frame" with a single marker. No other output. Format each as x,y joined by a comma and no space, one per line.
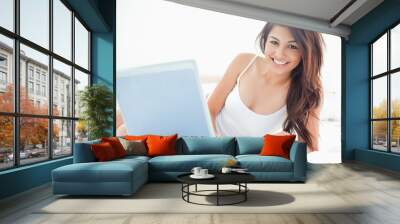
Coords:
16,115
388,74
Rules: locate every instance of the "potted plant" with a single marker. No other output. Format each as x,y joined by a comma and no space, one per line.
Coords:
96,103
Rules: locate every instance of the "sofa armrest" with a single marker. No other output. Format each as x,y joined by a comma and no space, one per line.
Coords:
298,155
83,152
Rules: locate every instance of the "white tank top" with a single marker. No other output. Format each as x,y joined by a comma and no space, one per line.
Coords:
236,119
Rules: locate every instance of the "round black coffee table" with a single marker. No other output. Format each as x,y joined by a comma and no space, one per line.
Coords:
238,179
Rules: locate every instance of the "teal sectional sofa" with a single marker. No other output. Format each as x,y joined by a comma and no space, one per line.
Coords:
125,176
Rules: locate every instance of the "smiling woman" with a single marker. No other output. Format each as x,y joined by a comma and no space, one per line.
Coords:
277,93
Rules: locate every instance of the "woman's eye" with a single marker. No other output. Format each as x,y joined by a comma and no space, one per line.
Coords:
291,46
274,42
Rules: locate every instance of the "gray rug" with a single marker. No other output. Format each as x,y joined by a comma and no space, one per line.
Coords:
166,198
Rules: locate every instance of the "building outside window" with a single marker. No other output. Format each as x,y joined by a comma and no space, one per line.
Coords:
30,72
38,89
3,72
55,95
3,78
3,61
30,87
37,75
43,90
44,77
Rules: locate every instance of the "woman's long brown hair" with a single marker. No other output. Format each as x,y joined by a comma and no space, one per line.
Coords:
305,91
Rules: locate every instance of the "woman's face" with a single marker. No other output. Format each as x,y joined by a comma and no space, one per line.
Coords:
282,52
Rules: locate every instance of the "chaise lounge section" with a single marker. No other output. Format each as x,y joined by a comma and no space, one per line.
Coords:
88,177
125,176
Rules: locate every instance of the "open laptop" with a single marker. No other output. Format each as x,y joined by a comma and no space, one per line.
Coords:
163,99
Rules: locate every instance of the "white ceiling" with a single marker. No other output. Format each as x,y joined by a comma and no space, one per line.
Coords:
319,9
325,16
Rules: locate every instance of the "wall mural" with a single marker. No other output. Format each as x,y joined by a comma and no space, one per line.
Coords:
197,72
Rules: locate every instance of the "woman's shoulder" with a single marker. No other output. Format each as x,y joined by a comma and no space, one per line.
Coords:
238,64
245,57
242,60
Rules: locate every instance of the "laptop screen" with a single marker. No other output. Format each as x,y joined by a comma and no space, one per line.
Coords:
163,99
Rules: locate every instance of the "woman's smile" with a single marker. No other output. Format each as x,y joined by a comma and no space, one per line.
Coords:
279,62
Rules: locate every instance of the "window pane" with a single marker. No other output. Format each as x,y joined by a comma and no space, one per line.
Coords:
6,74
395,94
395,47
379,98
62,89
81,45
62,29
7,14
379,135
34,97
35,21
81,81
6,142
379,55
395,136
62,138
33,139
81,131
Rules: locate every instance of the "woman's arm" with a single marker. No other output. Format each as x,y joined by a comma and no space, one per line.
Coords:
313,127
216,101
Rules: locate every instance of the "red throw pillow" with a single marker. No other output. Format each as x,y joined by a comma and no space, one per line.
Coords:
116,145
136,137
277,145
103,151
161,145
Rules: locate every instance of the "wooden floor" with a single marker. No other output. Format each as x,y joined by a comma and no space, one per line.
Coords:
377,188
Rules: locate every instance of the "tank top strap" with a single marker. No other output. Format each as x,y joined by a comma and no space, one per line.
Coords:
246,68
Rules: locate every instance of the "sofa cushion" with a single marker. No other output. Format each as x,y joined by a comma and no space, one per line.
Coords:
249,145
134,147
116,145
206,145
103,152
159,145
111,171
136,137
131,158
277,145
185,163
257,163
